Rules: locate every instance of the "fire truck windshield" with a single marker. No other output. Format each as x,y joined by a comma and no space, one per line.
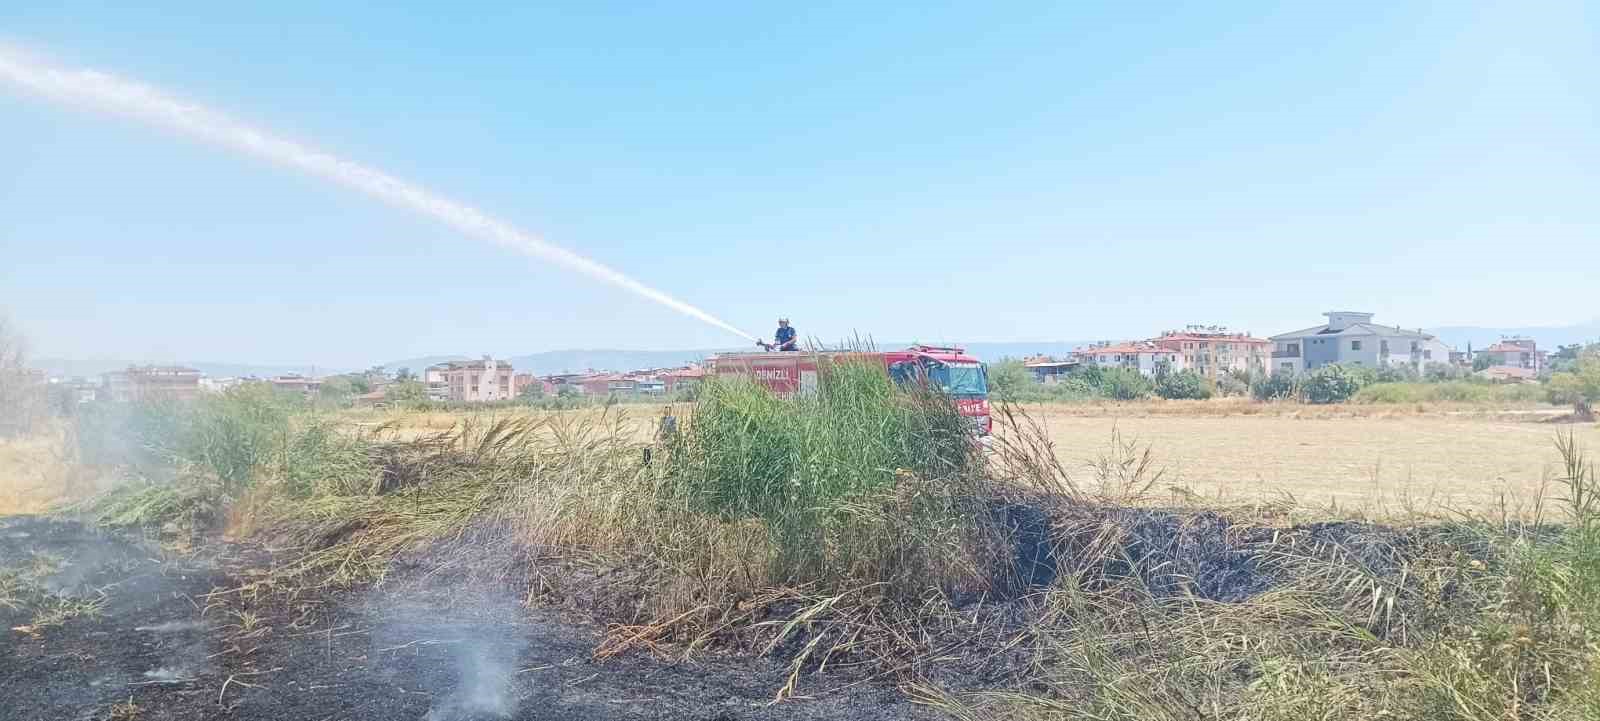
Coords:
959,379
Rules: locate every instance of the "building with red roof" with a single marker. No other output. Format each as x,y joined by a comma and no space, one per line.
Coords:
1142,356
1515,352
1212,349
683,377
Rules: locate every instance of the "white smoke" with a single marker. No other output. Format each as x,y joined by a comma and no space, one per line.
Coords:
462,641
484,689
167,674
172,627
109,93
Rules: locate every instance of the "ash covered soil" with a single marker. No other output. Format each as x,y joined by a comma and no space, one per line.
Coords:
105,626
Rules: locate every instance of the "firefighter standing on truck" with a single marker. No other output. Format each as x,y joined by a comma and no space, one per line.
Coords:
783,339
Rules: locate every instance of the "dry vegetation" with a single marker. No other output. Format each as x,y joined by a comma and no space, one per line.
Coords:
1242,406
1374,460
858,529
1379,460
39,470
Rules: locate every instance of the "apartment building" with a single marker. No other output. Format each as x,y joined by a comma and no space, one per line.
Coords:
474,381
1142,356
1213,349
296,384
1515,352
1352,338
143,382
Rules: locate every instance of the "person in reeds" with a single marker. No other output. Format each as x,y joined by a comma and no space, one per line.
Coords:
666,433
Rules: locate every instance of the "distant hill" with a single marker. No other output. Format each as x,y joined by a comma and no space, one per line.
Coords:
1548,337
415,365
70,368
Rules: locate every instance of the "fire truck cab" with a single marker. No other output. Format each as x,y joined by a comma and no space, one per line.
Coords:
964,378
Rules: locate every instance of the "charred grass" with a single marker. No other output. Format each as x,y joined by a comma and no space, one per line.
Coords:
27,592
858,531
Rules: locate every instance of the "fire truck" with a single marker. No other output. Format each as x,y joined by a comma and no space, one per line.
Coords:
962,377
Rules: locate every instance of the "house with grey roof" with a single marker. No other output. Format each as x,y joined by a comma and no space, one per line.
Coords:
1353,339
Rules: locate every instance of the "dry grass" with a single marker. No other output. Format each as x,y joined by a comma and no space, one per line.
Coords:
38,471
1144,613
24,585
1376,459
637,418
1239,406
1353,456
123,710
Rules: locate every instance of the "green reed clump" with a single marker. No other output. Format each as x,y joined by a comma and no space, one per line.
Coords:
843,478
1534,650
190,460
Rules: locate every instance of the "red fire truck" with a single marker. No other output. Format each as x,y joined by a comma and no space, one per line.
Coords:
961,376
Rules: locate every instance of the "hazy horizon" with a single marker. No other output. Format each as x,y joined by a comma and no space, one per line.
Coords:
1458,337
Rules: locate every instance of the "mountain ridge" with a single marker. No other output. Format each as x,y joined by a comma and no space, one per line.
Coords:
1548,337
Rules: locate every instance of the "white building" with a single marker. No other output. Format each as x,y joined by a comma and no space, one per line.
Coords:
1353,339
433,379
218,385
470,381
1144,357
1515,352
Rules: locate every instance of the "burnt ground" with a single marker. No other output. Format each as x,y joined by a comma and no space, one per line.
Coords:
104,626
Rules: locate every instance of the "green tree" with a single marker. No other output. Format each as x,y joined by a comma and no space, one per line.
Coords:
1565,356
337,388
1331,384
1439,372
1580,384
1397,373
1123,384
406,392
532,392
1362,375
1009,378
1279,386
1235,382
1183,385
1481,361
403,375
1163,369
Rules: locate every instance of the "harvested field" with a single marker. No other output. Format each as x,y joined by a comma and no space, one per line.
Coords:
1378,462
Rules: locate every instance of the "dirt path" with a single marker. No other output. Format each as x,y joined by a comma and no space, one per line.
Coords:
103,627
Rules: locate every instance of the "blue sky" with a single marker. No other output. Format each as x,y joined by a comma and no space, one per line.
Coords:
974,172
